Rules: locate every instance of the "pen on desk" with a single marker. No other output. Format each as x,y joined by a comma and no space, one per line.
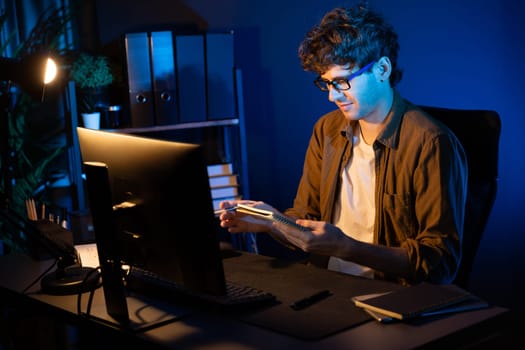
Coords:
310,300
220,211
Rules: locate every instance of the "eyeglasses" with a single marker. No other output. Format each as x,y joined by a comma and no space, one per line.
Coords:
340,84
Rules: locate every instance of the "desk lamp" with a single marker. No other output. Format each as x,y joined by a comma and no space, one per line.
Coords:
31,74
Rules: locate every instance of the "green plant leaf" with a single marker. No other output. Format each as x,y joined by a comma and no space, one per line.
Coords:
34,155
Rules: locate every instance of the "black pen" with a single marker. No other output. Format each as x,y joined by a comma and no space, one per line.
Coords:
310,300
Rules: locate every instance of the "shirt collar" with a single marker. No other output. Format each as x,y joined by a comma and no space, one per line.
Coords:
390,134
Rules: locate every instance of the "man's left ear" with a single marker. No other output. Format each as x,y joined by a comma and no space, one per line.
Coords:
383,68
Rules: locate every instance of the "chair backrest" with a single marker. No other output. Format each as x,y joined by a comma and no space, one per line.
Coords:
479,132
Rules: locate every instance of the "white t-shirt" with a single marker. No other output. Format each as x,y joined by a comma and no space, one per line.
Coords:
354,211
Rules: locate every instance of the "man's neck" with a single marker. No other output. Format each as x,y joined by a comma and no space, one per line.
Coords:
371,127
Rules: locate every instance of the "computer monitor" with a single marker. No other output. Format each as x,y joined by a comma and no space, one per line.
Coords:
161,207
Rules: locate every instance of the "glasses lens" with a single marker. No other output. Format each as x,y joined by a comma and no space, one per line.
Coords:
321,84
341,84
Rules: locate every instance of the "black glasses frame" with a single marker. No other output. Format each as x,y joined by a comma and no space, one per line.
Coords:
340,84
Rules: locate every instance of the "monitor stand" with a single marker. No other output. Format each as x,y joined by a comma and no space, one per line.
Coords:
70,280
100,202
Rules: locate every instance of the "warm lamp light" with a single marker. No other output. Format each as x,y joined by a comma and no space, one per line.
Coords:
31,73
51,71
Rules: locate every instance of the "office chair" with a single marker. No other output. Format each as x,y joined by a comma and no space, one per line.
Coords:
479,132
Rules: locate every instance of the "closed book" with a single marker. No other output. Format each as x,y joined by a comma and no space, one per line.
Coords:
164,78
139,80
414,301
220,76
469,304
191,75
223,192
223,180
220,169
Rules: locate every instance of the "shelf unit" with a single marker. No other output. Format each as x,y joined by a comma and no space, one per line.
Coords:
223,140
226,134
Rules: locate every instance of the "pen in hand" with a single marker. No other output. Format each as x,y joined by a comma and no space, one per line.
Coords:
220,211
310,300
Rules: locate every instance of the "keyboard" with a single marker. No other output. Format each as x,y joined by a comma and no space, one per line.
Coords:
147,282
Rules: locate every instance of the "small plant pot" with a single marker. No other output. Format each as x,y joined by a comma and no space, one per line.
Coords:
91,120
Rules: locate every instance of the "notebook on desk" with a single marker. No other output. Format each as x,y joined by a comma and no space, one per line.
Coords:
418,301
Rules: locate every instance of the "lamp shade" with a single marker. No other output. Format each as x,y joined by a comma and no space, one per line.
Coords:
31,73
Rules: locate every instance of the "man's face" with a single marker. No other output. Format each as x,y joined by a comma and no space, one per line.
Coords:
362,98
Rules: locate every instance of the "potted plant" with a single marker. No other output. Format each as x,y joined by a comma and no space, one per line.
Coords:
92,75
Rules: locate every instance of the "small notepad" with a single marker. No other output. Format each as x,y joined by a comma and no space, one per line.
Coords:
269,215
418,300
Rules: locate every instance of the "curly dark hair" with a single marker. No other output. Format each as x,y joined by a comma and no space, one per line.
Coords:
350,36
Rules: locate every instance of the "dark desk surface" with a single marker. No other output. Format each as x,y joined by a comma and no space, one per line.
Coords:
202,329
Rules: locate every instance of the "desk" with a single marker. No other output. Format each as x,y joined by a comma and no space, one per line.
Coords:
209,329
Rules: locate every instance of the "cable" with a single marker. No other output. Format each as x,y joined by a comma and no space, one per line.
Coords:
40,277
91,293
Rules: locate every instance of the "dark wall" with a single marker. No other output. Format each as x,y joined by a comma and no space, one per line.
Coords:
458,54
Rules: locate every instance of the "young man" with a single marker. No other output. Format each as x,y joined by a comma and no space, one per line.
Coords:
384,185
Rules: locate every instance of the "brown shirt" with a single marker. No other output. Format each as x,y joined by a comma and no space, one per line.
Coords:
421,186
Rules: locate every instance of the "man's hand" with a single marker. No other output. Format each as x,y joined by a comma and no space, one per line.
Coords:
322,238
237,222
